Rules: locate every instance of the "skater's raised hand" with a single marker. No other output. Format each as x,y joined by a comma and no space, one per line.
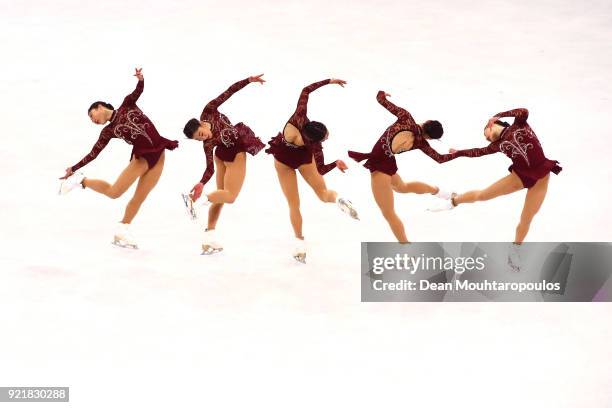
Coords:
196,191
340,82
341,165
138,74
68,173
257,78
492,121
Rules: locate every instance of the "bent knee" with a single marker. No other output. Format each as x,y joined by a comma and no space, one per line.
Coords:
114,194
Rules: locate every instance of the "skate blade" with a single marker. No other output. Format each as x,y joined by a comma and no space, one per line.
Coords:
434,209
347,208
513,267
62,190
210,251
189,206
121,244
300,258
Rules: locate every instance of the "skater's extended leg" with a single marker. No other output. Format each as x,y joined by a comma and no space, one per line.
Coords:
400,186
288,182
232,182
383,194
509,184
146,183
316,181
128,176
533,202
215,209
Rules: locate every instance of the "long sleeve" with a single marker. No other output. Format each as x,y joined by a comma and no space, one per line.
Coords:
431,152
210,163
219,100
133,97
95,151
520,115
298,119
479,151
401,113
317,152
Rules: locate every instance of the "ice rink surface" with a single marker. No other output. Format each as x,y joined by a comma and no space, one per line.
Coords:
166,327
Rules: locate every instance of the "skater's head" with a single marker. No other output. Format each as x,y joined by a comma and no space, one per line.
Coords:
100,112
432,129
493,132
315,131
196,130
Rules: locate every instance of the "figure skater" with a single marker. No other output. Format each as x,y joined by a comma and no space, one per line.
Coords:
129,123
299,147
403,135
232,142
530,169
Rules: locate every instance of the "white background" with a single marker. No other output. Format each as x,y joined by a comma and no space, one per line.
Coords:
164,326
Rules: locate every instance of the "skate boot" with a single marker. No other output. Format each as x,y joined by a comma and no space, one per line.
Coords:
347,207
299,253
123,237
443,194
444,204
71,183
210,245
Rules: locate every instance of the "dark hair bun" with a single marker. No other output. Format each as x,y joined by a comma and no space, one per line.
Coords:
190,127
433,129
98,103
502,123
315,131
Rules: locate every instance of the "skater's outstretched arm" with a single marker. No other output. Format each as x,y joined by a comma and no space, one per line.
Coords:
401,113
520,116
479,151
317,152
219,100
196,191
431,152
133,97
298,119
210,163
103,140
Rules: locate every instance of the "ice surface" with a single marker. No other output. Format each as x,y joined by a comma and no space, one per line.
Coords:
164,326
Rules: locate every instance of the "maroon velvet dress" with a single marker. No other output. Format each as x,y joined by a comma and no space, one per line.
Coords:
522,146
382,157
293,155
130,124
228,139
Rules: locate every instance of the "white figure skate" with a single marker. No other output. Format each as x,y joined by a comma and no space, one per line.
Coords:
210,244
71,183
123,237
299,252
